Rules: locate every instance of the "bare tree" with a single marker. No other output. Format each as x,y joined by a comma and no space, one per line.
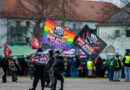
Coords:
41,9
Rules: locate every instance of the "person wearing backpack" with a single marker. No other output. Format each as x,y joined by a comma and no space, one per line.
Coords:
111,69
14,67
117,67
126,62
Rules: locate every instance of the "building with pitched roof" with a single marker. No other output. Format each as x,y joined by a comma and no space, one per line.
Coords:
115,31
14,24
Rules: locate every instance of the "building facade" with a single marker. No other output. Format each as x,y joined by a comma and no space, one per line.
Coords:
115,31
117,39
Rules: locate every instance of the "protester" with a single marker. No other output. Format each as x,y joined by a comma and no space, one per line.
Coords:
126,62
90,67
1,72
50,67
99,65
121,66
111,68
85,61
66,73
40,69
47,80
117,67
77,63
81,69
15,68
103,68
5,66
107,63
25,65
72,67
31,67
58,70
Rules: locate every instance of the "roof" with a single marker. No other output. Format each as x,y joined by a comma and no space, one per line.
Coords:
19,51
93,10
120,18
85,10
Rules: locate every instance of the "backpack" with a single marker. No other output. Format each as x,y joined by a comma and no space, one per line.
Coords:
114,62
107,63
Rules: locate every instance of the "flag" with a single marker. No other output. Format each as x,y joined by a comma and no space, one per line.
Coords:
36,43
7,51
89,43
57,36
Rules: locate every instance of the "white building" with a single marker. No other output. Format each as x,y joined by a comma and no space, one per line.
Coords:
115,31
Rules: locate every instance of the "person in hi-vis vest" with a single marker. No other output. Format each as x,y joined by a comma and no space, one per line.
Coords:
90,67
126,62
117,67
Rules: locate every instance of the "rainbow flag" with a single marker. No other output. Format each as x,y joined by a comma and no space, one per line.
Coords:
57,36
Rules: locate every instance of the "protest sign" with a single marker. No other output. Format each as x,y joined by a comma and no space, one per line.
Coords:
89,43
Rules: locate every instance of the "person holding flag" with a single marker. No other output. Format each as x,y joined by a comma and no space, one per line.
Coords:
5,66
4,62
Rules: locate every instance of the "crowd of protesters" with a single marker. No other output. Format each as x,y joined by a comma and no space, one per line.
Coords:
115,67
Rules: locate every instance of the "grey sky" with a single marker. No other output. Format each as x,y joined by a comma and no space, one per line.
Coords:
116,2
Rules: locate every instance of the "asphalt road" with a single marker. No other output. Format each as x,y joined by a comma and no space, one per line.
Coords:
70,84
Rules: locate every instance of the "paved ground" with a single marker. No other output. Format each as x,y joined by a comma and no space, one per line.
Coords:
70,84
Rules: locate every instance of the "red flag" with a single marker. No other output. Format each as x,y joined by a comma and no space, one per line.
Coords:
7,51
36,43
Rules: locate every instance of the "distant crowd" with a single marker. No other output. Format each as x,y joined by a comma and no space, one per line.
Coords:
115,67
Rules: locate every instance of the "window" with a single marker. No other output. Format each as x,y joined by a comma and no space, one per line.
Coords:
18,38
117,33
74,26
17,35
127,33
17,23
27,23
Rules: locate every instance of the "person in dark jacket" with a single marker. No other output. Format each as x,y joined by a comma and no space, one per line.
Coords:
77,63
40,69
72,67
50,67
5,66
58,69
14,66
98,66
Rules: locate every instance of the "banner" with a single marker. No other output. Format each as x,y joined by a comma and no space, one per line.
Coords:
7,51
36,43
42,59
90,43
57,36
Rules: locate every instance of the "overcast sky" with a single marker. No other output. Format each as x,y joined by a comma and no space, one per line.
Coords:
116,2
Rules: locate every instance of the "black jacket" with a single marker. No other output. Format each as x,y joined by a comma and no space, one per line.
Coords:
59,64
